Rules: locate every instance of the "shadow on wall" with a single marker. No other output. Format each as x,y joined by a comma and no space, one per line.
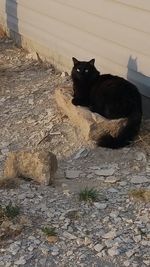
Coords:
12,21
142,82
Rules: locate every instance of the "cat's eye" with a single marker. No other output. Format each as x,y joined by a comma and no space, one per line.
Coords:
86,70
78,70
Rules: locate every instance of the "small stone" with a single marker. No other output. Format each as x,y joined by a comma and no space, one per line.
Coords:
140,156
99,247
72,174
130,253
64,74
110,235
123,183
69,236
112,190
55,253
87,241
21,261
114,214
112,179
14,248
105,172
30,248
137,238
127,263
79,241
31,101
147,262
69,253
137,179
113,252
100,206
82,153
148,169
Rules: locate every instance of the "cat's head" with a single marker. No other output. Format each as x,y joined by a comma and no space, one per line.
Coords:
83,70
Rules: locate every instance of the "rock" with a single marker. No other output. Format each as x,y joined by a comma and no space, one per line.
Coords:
35,164
105,172
130,253
21,261
72,174
64,74
69,253
139,179
99,247
148,169
110,235
112,179
32,55
147,262
137,238
127,263
100,206
14,248
113,252
91,125
82,153
112,190
69,236
31,101
140,156
87,241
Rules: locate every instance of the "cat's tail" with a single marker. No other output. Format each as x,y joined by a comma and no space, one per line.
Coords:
126,134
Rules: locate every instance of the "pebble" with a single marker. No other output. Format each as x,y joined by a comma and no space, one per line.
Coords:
82,153
110,235
87,241
139,179
21,261
72,174
112,179
105,172
99,247
69,236
113,252
127,263
100,206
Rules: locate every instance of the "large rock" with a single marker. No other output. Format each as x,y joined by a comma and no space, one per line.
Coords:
91,125
35,164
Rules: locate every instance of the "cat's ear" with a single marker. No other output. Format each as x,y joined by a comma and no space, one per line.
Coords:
75,61
92,61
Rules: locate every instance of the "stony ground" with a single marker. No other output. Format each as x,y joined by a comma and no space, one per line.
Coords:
114,230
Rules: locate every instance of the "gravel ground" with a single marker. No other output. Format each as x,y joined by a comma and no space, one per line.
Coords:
114,229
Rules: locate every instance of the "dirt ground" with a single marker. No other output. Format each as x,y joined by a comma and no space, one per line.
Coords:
29,117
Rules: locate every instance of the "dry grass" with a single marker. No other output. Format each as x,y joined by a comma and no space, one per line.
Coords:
8,227
141,194
9,183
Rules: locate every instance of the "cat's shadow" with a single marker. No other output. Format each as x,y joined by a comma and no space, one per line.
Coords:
142,82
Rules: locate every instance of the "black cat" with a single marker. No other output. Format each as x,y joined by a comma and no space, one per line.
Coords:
111,96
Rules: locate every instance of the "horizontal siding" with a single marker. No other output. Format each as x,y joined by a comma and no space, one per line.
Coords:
116,33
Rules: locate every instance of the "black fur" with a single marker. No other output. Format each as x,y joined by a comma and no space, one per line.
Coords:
111,96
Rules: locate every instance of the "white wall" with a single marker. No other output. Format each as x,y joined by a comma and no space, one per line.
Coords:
116,33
